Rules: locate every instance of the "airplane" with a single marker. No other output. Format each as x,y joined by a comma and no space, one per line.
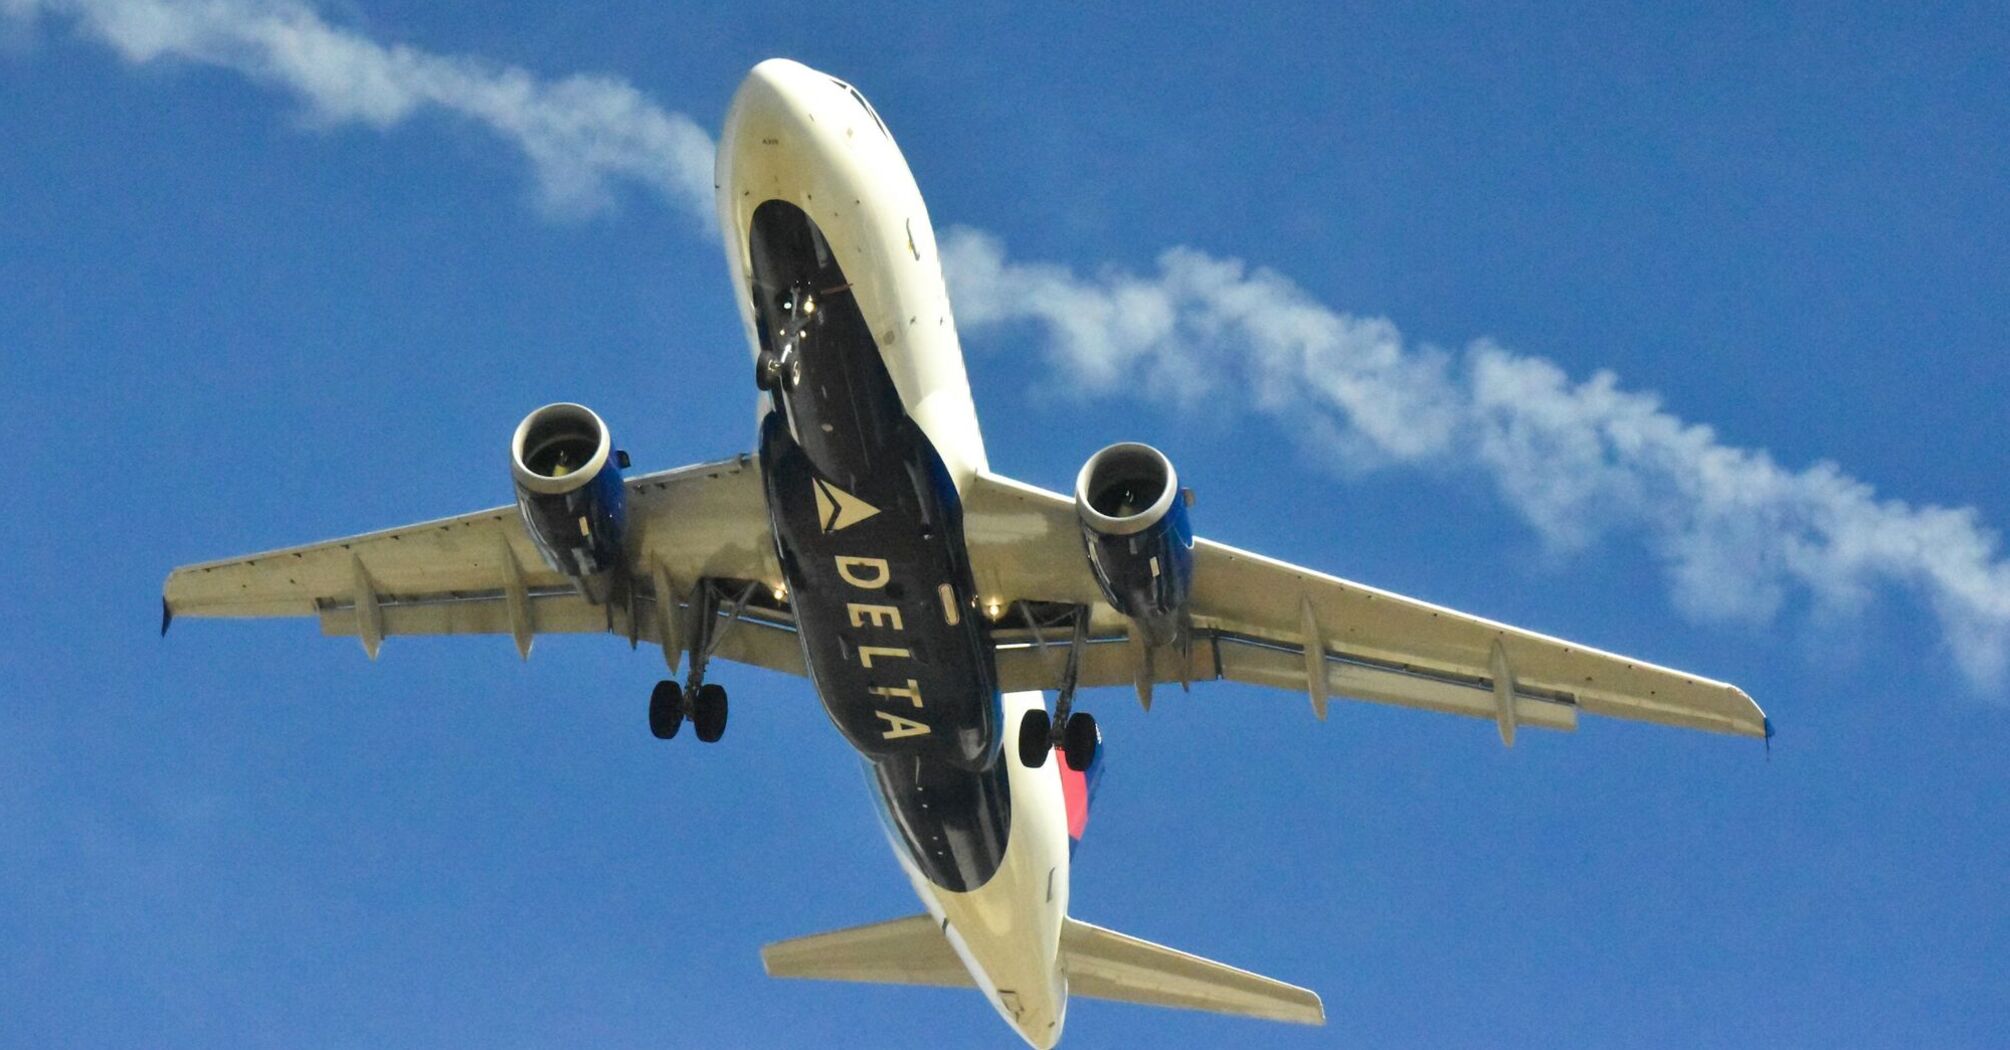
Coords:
866,544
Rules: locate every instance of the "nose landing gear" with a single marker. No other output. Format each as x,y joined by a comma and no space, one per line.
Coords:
778,370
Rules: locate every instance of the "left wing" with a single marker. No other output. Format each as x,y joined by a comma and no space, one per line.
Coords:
1259,620
479,574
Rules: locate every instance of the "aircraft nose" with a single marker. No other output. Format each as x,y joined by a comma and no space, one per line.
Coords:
776,106
783,81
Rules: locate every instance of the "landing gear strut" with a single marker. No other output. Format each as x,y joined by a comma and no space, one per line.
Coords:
1074,732
779,369
704,703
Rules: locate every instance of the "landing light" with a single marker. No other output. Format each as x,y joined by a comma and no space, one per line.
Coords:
781,592
993,609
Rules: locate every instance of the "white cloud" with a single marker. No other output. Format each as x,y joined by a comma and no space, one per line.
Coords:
1740,537
582,134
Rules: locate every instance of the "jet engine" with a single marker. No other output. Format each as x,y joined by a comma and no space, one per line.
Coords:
568,485
1135,529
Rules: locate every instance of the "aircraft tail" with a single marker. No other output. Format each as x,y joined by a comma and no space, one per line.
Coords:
1105,964
1100,964
898,951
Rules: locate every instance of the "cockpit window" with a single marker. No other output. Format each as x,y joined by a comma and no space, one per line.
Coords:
864,105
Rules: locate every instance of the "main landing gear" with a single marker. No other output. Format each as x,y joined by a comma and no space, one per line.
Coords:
1074,732
706,708
704,703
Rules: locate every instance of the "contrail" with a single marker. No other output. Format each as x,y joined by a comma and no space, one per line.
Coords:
1738,535
581,134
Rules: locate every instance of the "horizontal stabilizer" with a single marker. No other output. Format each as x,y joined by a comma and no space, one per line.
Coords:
898,951
1100,963
1104,964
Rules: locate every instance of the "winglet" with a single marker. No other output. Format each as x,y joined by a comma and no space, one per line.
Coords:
1769,738
167,615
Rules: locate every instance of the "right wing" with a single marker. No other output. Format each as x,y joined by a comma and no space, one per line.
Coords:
1267,622
479,574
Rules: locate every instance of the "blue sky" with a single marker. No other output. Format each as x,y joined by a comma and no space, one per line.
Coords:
240,314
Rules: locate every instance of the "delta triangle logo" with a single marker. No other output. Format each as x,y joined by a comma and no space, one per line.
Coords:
838,509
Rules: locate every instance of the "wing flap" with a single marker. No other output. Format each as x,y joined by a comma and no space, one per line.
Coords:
1104,964
483,613
759,638
1106,660
1283,667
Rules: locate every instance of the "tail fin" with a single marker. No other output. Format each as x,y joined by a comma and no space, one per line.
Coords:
1100,963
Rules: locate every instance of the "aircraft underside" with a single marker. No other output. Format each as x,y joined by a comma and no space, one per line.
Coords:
869,532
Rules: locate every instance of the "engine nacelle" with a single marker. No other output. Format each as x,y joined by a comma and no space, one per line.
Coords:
568,485
1140,545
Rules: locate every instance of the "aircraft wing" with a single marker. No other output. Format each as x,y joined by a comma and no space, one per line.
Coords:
479,574
1264,621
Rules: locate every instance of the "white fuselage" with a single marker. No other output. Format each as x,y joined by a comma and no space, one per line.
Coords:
796,135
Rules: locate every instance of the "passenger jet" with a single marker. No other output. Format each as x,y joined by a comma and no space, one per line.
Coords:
865,543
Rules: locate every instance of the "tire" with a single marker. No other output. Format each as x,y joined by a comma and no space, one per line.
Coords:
666,710
708,713
1080,740
1035,731
767,371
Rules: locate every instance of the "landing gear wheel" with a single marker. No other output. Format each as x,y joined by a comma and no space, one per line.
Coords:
708,712
1080,739
666,710
778,373
1035,738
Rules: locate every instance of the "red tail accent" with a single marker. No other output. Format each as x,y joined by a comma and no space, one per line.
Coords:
1075,789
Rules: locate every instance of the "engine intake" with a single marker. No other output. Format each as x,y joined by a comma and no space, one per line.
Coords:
568,485
1139,542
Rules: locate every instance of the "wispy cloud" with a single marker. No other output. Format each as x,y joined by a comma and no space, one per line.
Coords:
583,135
1740,536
